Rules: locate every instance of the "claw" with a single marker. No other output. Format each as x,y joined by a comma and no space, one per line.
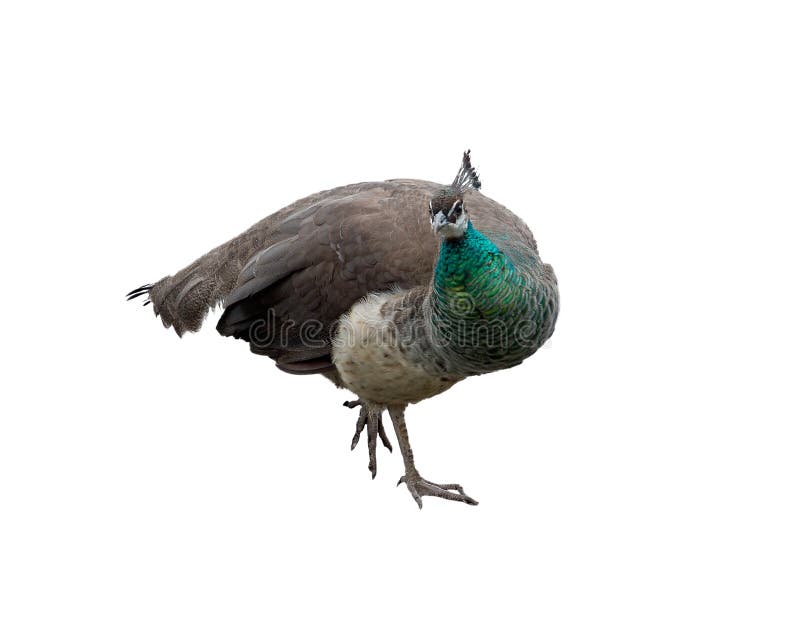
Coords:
362,420
374,424
384,439
372,442
419,487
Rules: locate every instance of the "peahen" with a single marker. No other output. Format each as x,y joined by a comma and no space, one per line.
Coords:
395,290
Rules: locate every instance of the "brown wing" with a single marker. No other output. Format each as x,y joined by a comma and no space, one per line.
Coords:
286,280
289,295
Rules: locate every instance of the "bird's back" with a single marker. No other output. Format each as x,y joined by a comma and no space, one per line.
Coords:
286,280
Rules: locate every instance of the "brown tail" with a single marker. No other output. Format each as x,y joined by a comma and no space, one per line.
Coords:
184,299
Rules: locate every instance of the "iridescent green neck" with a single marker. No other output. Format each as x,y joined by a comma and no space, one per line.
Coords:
471,265
478,303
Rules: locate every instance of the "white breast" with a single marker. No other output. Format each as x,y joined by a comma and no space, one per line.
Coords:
371,361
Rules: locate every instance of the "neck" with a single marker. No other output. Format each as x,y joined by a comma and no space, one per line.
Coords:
479,302
460,259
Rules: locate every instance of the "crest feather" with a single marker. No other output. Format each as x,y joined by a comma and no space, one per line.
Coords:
467,176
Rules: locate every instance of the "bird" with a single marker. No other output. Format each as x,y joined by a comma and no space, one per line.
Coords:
394,290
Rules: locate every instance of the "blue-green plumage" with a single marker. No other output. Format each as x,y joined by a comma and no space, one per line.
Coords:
490,312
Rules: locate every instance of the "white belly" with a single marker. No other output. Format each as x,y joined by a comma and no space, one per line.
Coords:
371,363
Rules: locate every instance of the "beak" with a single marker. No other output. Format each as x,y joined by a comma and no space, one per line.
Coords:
438,220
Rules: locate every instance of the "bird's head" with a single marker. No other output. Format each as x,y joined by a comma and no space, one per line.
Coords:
449,217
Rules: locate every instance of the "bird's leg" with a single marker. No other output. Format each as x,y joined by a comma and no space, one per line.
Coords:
374,422
417,485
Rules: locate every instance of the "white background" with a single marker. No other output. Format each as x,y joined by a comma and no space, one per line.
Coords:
637,477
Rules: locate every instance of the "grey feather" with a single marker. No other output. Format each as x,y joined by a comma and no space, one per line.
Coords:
313,259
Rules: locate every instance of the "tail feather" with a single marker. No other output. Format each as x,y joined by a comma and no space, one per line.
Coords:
138,292
183,300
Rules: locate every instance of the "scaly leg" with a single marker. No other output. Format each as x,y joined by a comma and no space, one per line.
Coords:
417,485
374,424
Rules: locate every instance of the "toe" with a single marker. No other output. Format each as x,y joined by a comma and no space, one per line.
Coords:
362,420
372,442
419,487
415,494
382,433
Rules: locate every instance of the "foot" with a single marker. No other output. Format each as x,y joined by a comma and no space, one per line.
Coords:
420,487
374,424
